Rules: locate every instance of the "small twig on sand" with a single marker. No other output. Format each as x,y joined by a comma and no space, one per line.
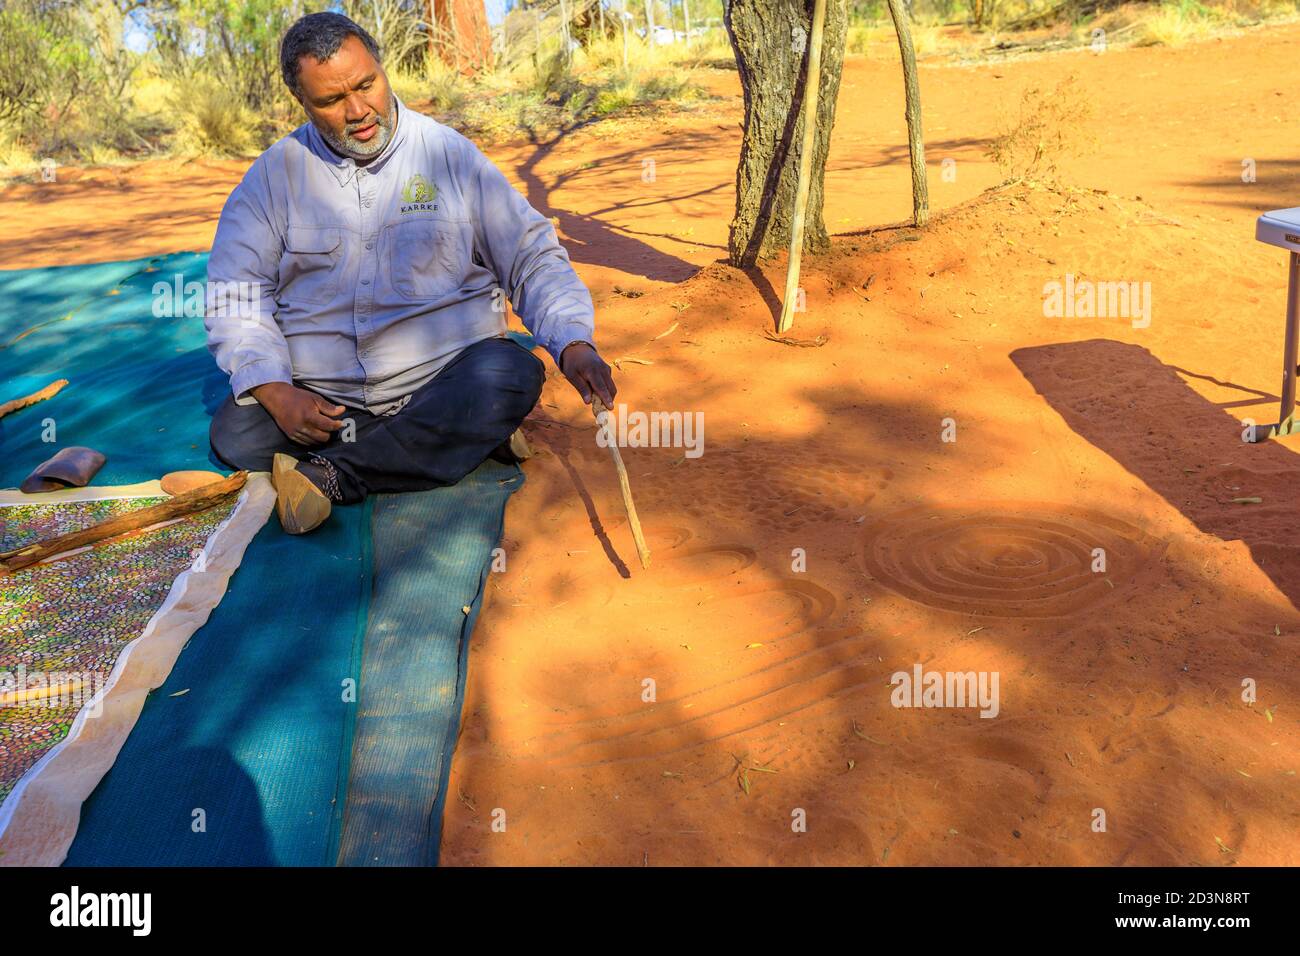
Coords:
797,343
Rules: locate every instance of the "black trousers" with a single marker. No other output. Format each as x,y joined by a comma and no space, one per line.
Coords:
444,432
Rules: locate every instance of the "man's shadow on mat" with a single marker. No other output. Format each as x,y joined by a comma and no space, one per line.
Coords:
1184,447
206,812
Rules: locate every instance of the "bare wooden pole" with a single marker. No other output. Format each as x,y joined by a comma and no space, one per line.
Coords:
191,502
49,391
564,31
642,551
912,90
812,89
623,17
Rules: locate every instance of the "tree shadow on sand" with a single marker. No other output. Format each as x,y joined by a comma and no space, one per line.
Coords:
1138,410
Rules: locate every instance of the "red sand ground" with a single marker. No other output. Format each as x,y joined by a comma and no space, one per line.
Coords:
1119,690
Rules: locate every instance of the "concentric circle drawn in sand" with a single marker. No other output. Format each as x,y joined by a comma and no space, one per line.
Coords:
1002,560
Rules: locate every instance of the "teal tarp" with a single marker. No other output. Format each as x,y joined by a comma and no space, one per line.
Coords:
253,765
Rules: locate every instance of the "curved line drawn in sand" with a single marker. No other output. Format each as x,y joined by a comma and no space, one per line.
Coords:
730,713
717,562
987,560
814,605
722,561
805,662
668,537
818,664
800,488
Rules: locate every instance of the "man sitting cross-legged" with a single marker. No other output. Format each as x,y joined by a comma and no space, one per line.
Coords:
373,248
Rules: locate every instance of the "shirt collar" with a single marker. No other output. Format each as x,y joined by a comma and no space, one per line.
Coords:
344,167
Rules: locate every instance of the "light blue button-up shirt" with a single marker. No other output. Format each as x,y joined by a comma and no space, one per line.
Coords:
368,280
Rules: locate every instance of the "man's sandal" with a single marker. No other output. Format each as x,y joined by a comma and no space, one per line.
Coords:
519,445
513,450
301,506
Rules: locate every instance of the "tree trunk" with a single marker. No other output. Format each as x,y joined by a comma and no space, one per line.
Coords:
432,21
650,21
564,32
912,93
623,17
465,24
770,39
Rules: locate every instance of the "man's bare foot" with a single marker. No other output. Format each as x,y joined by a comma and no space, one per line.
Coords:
301,506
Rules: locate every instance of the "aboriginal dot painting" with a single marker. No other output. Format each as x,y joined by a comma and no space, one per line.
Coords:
64,623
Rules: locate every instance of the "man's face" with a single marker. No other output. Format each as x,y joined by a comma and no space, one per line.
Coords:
348,99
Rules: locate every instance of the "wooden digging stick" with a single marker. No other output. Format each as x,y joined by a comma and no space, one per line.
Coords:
643,552
812,89
49,391
191,502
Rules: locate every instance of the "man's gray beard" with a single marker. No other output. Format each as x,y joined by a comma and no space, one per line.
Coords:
357,149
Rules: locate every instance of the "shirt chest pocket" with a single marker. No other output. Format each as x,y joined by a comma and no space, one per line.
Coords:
425,258
310,266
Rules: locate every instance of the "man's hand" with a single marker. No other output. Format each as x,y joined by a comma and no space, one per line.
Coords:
588,373
302,415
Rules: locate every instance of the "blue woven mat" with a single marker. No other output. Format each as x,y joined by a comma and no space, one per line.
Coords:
261,740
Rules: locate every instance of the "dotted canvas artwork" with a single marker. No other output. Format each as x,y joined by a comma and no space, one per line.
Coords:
66,622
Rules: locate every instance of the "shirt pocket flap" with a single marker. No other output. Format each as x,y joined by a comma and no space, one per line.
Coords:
309,239
424,257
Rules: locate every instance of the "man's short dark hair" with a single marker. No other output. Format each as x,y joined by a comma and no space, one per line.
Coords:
319,35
